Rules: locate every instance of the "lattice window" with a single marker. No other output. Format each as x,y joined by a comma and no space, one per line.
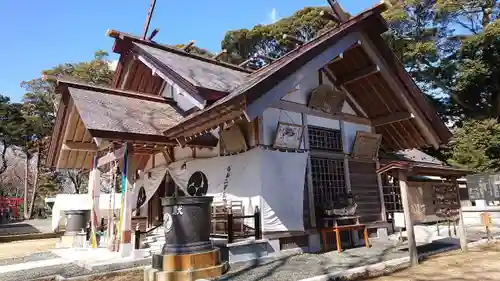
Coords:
325,139
328,179
392,198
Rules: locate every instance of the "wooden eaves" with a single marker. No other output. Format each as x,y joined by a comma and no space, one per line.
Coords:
88,113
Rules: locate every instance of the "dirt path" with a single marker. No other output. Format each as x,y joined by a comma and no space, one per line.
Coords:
478,264
24,248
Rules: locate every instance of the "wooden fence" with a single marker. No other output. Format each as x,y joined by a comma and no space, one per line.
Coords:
232,227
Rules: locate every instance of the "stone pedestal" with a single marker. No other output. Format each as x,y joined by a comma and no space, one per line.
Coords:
188,253
186,267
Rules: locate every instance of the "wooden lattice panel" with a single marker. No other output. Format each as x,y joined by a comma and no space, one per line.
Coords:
366,145
327,99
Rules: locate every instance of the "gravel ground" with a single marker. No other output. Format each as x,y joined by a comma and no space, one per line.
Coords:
19,249
28,258
482,263
286,268
309,265
65,270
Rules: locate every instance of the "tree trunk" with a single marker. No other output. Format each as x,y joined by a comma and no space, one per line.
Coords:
26,184
35,183
4,166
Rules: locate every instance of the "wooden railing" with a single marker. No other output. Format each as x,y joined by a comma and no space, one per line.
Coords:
231,224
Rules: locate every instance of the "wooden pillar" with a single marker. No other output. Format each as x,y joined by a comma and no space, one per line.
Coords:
94,190
383,211
345,149
309,179
128,179
462,232
412,244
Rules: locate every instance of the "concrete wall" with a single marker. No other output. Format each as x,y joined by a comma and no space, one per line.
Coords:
472,215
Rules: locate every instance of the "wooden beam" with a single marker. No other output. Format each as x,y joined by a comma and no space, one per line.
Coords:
291,106
148,19
398,89
79,146
286,85
338,10
383,212
126,246
219,55
167,156
188,46
392,118
210,124
111,156
353,77
310,187
462,233
405,200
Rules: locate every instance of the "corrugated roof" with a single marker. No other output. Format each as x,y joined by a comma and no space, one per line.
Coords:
197,72
115,113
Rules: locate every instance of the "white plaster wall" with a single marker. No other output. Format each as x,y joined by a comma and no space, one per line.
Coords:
323,122
179,96
305,86
182,153
207,152
346,108
270,120
350,130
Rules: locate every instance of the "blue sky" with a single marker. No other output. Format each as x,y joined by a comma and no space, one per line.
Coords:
38,35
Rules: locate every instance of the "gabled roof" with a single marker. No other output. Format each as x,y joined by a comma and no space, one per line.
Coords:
419,163
115,113
377,94
264,79
89,111
199,73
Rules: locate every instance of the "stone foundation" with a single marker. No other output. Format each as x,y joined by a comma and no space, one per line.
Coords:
185,267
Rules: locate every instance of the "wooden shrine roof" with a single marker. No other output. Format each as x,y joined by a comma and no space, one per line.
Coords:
373,95
197,72
378,87
115,113
419,163
86,112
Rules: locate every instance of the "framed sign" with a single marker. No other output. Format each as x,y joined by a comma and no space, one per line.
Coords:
288,136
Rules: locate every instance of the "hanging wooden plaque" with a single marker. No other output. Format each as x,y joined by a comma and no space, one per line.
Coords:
366,145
